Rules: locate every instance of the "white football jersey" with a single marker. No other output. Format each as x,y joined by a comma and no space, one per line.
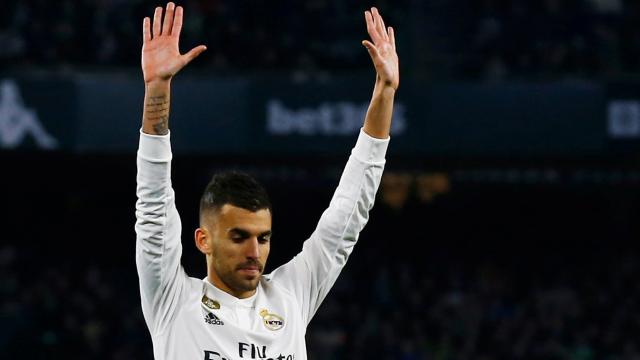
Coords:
190,318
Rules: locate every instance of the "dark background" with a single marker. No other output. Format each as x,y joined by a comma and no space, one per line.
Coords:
465,257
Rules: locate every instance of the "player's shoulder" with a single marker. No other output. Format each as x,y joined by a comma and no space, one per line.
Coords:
273,287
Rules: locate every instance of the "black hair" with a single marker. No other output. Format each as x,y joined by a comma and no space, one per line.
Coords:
234,188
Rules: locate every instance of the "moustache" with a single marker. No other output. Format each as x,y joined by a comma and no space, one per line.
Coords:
250,264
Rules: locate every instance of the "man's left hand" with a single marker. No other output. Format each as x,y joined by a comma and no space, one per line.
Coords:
382,50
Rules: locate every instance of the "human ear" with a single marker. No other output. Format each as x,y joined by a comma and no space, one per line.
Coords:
201,237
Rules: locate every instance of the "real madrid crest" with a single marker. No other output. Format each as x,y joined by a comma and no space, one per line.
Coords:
210,303
271,321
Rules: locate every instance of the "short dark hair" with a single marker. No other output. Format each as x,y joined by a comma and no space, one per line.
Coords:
234,188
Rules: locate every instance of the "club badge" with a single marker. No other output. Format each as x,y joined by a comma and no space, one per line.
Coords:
210,303
271,321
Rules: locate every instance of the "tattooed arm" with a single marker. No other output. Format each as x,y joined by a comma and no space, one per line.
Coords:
158,247
161,60
155,117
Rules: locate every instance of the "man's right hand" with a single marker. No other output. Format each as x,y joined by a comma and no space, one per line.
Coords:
161,58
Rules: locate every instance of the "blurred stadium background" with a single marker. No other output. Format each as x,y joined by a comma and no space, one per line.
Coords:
506,226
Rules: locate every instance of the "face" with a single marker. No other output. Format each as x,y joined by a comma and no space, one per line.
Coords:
237,243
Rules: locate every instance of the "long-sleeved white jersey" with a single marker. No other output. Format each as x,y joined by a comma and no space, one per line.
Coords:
190,318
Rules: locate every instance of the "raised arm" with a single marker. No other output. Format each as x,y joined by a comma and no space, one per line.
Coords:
158,229
385,59
312,273
161,60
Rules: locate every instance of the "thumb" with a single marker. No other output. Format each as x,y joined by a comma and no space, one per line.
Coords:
193,53
373,51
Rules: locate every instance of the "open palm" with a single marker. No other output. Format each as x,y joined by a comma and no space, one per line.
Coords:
161,58
383,49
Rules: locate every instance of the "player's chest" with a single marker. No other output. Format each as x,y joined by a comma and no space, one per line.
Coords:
269,329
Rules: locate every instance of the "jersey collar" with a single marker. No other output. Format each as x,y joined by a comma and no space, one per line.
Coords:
226,299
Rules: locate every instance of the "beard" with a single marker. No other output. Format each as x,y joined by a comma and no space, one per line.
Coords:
239,282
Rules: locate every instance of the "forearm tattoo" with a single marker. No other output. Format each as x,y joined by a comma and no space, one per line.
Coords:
156,113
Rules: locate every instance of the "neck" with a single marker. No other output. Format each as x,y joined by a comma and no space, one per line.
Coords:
216,281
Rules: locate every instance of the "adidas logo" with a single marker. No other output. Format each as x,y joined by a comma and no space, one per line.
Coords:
210,318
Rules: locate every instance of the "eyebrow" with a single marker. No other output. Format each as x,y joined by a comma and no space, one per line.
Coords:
245,233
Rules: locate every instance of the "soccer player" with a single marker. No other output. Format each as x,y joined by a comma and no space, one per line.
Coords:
237,312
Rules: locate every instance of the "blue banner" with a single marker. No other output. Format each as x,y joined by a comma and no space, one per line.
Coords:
257,116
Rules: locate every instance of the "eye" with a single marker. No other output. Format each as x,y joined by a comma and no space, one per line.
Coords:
264,239
238,237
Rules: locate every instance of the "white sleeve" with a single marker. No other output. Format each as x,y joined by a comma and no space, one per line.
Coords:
158,228
312,273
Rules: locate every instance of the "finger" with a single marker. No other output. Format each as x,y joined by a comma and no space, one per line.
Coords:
177,22
146,29
369,21
372,49
371,27
379,24
168,19
157,18
392,37
193,53
375,33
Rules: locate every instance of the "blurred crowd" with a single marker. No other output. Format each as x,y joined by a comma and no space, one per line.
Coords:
552,39
240,35
63,309
443,274
462,39
430,295
482,311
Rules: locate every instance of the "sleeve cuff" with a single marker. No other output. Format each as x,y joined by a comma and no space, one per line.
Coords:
154,148
369,149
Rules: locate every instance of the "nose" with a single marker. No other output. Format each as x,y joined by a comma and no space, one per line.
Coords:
253,248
